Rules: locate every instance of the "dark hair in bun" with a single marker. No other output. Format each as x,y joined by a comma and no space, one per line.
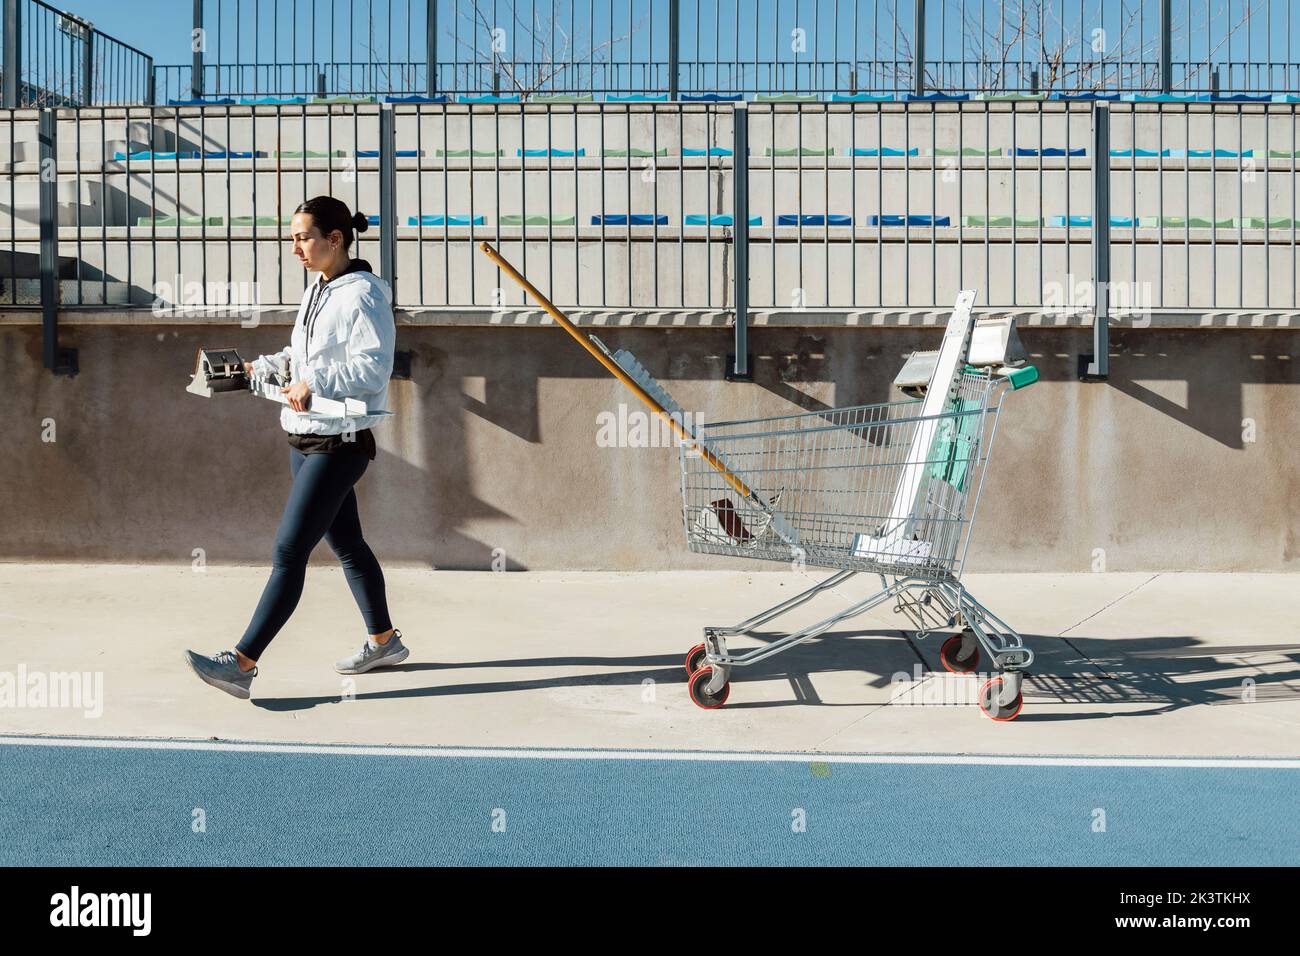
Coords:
329,214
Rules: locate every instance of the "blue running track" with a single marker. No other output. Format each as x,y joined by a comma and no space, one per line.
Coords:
134,805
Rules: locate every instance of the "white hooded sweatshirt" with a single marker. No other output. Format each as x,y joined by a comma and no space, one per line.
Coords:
350,352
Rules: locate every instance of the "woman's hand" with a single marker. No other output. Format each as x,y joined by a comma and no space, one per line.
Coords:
299,396
248,369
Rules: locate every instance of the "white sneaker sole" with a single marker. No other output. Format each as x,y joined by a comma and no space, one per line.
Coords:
234,690
389,661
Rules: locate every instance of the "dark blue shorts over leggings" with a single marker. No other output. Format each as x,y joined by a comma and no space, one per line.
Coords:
322,503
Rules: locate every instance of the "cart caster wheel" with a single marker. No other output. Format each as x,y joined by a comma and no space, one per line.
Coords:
948,656
699,681
988,704
695,658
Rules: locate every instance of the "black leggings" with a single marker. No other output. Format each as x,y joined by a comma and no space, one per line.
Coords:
322,503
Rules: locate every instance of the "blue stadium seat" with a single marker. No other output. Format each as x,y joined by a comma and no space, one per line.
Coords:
442,98
441,220
623,219
1049,151
533,153
814,219
720,219
148,154
886,151
910,220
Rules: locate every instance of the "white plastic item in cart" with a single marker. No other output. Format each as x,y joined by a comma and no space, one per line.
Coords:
893,539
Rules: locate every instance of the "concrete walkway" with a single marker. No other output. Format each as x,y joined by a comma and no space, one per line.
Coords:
1128,664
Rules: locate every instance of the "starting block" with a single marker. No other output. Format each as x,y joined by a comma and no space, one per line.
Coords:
218,371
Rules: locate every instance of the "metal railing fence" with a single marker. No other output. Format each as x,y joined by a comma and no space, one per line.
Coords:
51,58
748,47
845,207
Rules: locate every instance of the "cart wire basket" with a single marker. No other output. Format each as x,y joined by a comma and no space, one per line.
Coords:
880,489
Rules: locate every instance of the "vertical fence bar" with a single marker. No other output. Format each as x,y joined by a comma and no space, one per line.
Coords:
13,53
88,70
918,48
47,191
674,46
197,43
61,361
1096,367
430,43
1166,47
740,370
388,198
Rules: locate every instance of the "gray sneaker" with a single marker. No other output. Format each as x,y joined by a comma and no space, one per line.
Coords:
374,655
222,671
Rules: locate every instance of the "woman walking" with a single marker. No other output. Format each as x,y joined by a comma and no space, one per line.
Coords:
341,347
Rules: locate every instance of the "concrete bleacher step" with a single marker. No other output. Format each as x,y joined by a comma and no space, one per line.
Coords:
90,292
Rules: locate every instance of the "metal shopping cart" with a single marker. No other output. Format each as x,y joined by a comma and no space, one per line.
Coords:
880,489
890,489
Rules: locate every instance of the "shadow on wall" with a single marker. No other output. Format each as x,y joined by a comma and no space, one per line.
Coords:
1208,369
212,464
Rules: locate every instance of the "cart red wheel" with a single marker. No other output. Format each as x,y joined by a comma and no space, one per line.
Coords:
989,692
948,656
695,657
699,681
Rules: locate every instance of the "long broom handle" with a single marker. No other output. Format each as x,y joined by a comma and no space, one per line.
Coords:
585,341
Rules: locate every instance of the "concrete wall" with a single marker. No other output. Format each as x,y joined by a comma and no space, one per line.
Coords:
1185,459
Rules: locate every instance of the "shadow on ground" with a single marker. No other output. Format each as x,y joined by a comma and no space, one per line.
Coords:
1073,679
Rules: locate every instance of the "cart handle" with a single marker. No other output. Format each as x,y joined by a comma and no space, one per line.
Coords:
1022,377
585,341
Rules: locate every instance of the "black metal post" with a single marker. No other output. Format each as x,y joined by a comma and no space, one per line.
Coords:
59,360
88,70
388,199
1166,47
197,42
431,48
918,49
739,366
674,46
13,53
1096,367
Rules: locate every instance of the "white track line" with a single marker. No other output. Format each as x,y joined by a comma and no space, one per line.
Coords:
978,760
